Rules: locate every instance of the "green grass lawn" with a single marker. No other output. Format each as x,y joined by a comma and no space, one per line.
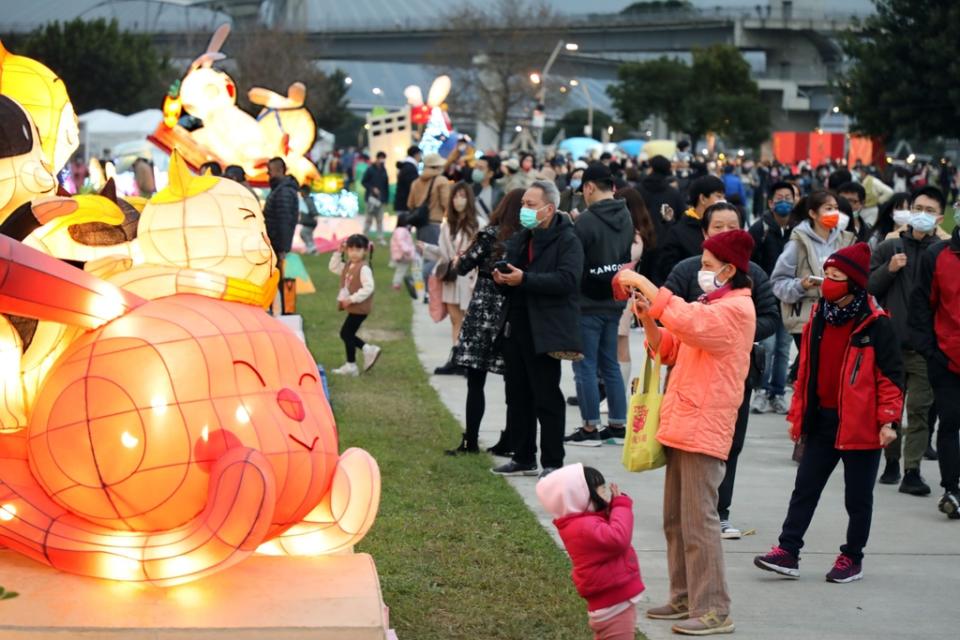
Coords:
459,554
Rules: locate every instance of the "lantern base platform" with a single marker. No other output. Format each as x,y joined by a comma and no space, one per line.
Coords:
280,598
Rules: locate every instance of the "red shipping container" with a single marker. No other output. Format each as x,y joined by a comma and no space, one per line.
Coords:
826,146
790,147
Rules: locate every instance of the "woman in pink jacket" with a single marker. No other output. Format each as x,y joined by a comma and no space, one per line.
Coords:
708,344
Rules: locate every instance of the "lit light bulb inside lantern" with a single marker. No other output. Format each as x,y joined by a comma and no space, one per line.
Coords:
243,416
8,512
128,440
159,405
120,568
205,433
108,305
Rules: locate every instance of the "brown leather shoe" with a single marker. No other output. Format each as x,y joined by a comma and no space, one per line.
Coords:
706,625
672,611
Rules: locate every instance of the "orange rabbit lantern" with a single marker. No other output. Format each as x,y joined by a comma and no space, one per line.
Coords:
173,437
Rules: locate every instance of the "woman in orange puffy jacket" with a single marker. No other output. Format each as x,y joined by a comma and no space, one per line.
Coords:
708,342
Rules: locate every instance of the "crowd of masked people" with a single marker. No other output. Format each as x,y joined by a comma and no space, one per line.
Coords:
838,307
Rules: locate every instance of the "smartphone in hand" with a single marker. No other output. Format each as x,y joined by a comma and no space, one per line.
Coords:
502,266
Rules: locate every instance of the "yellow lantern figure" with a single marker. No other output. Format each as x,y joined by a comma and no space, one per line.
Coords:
174,437
24,171
288,128
42,93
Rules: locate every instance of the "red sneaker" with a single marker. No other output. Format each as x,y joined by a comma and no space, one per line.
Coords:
779,561
845,570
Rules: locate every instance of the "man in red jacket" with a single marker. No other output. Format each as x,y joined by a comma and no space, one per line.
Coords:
935,330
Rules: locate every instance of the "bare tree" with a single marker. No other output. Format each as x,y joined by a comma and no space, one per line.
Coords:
493,51
275,59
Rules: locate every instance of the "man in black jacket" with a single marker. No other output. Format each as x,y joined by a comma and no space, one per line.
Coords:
770,235
683,281
683,236
377,185
606,232
407,172
542,284
894,274
665,205
282,208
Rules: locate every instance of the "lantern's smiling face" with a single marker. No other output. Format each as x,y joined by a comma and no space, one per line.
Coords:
24,171
209,224
131,420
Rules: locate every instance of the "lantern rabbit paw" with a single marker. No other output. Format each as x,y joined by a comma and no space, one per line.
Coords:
344,515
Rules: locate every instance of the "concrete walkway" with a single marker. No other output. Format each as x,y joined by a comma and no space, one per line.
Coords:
911,587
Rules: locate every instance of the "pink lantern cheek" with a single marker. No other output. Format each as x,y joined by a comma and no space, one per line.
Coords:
211,445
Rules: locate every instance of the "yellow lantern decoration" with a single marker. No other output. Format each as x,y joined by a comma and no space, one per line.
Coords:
177,433
42,93
24,171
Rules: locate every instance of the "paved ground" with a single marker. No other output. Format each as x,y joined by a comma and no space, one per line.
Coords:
911,587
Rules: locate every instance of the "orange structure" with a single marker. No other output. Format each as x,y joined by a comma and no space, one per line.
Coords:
173,438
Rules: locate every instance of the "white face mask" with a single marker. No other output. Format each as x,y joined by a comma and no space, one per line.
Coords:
901,217
844,221
708,281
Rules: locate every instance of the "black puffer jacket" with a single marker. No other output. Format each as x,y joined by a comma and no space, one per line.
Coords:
406,173
280,214
893,290
769,239
682,281
682,239
549,295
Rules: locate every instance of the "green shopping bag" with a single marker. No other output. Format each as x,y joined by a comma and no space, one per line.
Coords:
641,451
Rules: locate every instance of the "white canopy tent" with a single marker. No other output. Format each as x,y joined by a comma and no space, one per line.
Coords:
102,132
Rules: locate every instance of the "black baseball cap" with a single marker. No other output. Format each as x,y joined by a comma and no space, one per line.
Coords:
596,172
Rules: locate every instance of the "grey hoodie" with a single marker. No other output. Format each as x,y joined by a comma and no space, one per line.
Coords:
606,231
786,284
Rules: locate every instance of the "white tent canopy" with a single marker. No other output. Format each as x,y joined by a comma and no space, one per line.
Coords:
101,131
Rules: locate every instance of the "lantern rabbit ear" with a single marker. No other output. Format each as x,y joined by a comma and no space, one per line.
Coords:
439,91
212,54
296,94
35,285
414,95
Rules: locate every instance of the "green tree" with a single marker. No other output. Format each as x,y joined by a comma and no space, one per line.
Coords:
102,67
655,87
905,62
573,122
713,95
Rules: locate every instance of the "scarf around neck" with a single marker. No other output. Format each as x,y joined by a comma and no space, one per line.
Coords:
837,315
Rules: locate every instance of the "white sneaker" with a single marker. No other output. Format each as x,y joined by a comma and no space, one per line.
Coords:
348,369
778,404
728,531
371,353
760,403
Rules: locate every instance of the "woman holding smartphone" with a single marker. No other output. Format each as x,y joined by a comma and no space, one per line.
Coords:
798,274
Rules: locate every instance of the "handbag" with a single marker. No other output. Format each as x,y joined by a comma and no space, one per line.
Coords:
438,310
420,217
446,271
641,450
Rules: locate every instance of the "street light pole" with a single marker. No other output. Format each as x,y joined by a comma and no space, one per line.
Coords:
586,93
569,46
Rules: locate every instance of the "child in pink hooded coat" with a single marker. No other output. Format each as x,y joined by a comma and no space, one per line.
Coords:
596,526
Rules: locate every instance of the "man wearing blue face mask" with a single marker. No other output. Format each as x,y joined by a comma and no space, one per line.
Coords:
541,282
894,275
770,235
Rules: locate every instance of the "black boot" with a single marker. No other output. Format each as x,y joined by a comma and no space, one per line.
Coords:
464,448
503,448
449,369
891,474
914,484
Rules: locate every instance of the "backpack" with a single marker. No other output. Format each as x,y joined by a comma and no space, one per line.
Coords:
420,217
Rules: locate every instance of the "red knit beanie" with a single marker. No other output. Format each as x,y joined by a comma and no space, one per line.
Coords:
734,247
853,261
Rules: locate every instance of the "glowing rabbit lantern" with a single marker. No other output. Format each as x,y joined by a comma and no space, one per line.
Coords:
432,115
44,96
228,134
174,436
